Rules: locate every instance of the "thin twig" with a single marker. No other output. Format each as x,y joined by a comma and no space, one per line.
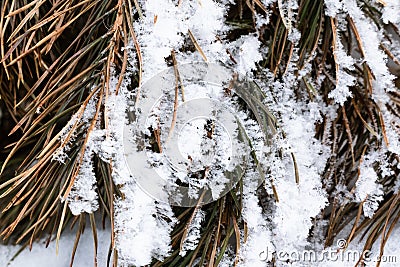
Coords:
174,116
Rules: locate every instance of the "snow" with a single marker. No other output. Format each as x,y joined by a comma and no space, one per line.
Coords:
332,7
287,10
291,232
142,227
42,256
259,239
369,190
374,56
83,195
68,134
249,53
355,248
193,233
165,33
292,161
343,80
391,11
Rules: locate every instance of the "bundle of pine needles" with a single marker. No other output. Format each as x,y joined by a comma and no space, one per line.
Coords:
55,55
